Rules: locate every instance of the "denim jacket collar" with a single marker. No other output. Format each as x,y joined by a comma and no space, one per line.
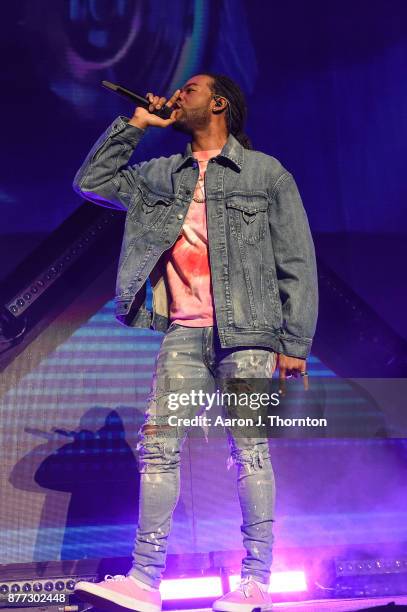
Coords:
232,152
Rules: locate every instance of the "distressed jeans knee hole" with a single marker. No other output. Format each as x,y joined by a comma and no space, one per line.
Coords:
157,455
251,458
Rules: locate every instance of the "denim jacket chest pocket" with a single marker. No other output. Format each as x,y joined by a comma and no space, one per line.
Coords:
247,216
148,210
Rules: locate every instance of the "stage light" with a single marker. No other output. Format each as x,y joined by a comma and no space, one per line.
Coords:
191,588
70,585
56,586
288,582
37,286
370,566
59,585
370,577
281,582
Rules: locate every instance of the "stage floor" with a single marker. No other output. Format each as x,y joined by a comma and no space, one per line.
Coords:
338,605
330,605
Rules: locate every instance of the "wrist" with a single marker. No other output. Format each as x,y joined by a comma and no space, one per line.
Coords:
138,123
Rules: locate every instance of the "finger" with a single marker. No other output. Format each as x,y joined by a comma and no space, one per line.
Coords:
158,101
154,102
173,98
150,98
305,379
161,102
172,119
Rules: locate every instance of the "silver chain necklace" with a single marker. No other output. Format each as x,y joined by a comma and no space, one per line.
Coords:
200,200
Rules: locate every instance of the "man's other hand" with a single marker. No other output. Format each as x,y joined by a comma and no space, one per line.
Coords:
291,366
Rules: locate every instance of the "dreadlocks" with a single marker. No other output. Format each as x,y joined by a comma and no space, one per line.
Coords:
222,85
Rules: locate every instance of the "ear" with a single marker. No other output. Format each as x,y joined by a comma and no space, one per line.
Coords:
220,104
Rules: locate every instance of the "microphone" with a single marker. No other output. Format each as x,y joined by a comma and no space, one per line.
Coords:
164,112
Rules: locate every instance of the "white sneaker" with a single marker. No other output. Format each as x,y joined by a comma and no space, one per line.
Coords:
247,596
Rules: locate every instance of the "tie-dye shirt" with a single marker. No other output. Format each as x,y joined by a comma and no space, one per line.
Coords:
187,263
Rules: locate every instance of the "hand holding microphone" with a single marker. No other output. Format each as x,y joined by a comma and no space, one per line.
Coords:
143,118
151,110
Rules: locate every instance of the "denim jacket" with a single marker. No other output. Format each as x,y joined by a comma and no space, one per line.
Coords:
262,257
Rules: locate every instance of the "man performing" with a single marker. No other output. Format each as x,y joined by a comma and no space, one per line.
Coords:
223,236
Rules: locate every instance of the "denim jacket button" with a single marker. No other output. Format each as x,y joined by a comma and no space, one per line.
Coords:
180,216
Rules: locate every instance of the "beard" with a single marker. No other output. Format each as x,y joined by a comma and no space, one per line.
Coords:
192,120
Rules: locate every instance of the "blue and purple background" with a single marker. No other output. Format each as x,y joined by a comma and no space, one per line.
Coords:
327,95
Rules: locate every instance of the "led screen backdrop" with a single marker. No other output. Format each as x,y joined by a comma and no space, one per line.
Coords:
69,477
326,97
323,83
57,55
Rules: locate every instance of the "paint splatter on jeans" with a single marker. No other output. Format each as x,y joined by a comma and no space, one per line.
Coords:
194,355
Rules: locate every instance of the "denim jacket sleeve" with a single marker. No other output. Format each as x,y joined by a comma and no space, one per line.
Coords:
295,267
105,177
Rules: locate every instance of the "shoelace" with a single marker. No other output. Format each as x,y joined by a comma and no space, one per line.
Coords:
116,578
246,586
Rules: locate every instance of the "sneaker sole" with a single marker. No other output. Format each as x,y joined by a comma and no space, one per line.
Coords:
101,599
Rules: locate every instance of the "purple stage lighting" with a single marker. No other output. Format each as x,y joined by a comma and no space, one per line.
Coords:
281,582
191,588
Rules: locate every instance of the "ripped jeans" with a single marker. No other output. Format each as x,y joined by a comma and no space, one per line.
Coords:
194,354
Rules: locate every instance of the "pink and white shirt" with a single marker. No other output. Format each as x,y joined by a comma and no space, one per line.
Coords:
187,262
